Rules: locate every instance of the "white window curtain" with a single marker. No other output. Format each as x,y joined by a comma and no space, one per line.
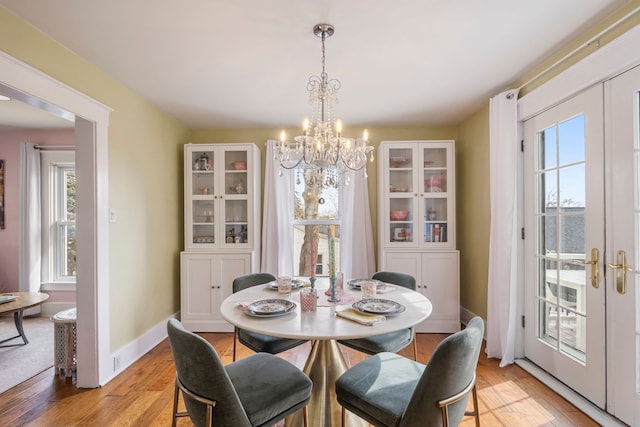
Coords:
30,271
356,234
356,253
277,239
503,243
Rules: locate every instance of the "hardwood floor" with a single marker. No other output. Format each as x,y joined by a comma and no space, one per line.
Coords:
142,395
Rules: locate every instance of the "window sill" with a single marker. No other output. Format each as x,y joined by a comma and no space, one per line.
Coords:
58,286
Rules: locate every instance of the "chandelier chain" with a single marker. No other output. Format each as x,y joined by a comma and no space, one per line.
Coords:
322,147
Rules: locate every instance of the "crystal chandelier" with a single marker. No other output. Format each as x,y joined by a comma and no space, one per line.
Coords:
322,147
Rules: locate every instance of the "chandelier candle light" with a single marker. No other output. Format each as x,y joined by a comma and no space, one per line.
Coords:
322,145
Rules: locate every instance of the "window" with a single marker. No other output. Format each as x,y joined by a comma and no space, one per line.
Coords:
316,221
58,219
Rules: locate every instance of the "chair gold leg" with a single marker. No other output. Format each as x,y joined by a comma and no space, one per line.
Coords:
445,416
305,416
344,417
476,411
415,348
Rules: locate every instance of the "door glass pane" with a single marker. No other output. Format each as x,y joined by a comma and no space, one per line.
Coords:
203,221
571,141
435,220
547,149
235,172
561,237
202,175
435,170
571,191
548,184
572,236
547,228
548,327
547,272
401,213
236,221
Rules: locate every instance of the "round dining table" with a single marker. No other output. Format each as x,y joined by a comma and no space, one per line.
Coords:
323,327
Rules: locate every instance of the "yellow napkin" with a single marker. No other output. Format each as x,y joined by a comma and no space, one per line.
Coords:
363,318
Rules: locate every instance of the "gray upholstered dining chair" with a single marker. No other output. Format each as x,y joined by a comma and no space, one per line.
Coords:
390,390
255,341
259,390
391,341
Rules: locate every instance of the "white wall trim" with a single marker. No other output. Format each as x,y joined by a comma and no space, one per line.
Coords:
130,353
36,88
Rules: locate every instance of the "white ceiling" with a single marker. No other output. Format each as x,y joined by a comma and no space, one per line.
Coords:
245,63
17,114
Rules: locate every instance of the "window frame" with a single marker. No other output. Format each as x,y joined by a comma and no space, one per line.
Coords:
296,223
54,165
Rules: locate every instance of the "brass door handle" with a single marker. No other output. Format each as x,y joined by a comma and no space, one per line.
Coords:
593,262
621,273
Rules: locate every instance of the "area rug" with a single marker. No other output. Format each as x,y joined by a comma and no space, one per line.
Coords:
20,363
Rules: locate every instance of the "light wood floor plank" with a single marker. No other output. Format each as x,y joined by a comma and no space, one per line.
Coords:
143,394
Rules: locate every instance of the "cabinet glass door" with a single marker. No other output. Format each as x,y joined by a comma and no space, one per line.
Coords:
236,201
401,206
435,195
203,212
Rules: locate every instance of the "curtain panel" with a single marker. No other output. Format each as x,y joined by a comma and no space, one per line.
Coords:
30,268
357,255
356,252
277,217
503,235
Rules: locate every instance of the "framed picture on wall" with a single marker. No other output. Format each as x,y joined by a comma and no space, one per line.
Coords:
1,194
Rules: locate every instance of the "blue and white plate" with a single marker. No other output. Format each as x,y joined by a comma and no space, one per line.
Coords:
270,308
378,306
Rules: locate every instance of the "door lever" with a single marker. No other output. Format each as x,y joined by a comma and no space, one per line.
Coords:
621,273
593,262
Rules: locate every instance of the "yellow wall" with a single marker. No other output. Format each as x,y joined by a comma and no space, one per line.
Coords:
473,214
145,169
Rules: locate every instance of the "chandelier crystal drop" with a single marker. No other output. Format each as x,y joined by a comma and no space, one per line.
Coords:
322,146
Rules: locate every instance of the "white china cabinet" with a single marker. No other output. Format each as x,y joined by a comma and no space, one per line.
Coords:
221,228
206,280
416,214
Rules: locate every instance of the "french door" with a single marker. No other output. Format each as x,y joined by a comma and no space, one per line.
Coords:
622,122
582,255
564,217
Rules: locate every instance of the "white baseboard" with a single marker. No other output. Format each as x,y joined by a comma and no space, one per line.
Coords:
124,357
597,414
466,315
51,308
